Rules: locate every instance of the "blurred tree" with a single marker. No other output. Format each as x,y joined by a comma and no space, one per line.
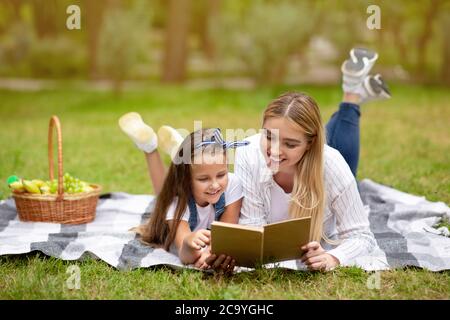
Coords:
94,18
57,57
123,40
15,44
266,34
394,20
212,13
344,23
430,13
15,5
159,8
9,14
407,36
206,13
176,46
445,71
45,16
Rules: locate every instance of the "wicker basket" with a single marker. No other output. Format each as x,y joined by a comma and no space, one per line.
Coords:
58,208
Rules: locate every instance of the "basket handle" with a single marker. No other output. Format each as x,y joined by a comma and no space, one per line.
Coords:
54,122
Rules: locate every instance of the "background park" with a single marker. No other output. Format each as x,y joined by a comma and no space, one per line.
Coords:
221,62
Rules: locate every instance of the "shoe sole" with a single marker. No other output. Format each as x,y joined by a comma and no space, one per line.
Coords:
376,87
133,125
360,62
167,139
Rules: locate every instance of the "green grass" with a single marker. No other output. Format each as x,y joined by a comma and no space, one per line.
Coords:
444,222
38,277
405,143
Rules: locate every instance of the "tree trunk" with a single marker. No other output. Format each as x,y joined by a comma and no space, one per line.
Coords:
425,37
45,17
176,47
445,71
207,36
94,19
16,4
402,48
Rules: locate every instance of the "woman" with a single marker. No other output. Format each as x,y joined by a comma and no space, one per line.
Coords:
288,171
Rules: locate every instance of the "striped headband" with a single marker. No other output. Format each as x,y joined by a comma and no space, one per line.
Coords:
217,139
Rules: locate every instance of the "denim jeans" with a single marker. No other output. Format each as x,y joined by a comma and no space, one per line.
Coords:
342,133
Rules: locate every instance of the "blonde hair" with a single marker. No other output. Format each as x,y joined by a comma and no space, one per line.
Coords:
308,194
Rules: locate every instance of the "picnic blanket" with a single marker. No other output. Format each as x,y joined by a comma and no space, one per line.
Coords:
402,225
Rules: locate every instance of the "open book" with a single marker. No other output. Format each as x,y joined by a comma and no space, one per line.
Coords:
250,245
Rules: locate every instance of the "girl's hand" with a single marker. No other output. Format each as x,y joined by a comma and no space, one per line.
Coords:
316,258
198,239
200,262
222,263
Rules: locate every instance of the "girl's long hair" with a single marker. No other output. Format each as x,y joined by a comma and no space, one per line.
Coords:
177,185
308,194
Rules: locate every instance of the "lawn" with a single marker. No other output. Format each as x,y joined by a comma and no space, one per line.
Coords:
405,143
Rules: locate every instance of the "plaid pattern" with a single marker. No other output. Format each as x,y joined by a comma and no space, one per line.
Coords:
400,222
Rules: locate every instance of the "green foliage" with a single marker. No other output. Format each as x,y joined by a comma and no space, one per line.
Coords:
23,54
445,222
15,45
124,41
259,38
266,35
344,24
59,57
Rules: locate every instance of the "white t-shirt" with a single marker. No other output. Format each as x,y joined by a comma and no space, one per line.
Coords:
279,206
206,214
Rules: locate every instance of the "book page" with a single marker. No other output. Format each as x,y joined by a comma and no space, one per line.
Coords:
243,243
282,240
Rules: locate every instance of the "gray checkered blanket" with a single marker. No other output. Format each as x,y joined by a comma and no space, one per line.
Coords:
402,224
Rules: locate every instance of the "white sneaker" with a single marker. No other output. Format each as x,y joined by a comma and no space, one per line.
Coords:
373,88
169,140
142,134
356,69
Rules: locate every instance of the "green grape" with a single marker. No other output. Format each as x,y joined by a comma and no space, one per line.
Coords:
71,184
53,189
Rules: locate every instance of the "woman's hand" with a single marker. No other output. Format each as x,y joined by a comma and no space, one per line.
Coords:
198,239
222,263
316,258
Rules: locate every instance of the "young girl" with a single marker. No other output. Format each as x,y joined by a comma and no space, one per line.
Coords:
196,190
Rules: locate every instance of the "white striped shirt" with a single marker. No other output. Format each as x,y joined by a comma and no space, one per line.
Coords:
344,216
